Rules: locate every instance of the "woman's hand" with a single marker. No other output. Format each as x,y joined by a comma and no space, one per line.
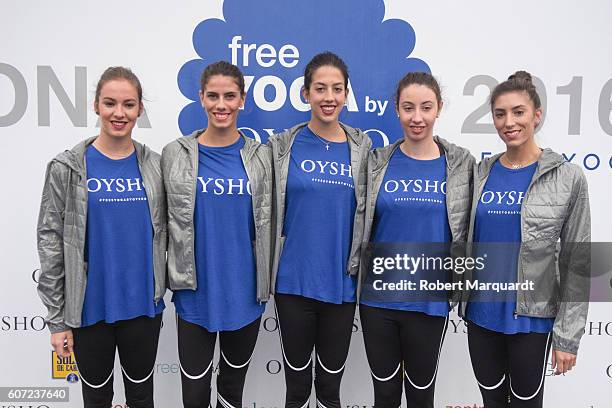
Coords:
62,343
562,361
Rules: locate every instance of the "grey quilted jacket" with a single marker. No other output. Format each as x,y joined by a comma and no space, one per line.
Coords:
555,207
180,170
281,143
62,231
459,171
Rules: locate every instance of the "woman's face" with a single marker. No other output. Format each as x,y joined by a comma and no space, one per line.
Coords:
326,95
221,98
118,106
417,110
515,118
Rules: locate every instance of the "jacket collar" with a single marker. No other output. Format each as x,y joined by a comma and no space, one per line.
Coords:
453,158
453,154
351,133
548,160
190,142
75,157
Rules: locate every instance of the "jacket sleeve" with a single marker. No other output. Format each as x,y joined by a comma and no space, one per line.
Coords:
272,226
472,165
359,223
50,236
175,276
459,248
270,154
574,270
364,255
165,163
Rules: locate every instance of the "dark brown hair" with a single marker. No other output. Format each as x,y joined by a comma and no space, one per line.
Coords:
222,68
115,73
323,59
418,78
520,81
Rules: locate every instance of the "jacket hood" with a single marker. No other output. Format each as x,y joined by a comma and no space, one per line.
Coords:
455,155
190,142
74,158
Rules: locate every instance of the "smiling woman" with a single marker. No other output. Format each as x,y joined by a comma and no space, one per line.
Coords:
222,96
516,337
319,222
408,331
103,274
119,104
219,199
517,112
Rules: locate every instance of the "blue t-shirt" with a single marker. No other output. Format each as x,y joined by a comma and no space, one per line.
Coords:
320,209
226,296
119,245
411,207
498,220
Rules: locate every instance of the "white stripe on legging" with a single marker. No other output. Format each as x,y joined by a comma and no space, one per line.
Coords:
437,361
223,401
91,385
493,386
194,377
541,379
88,383
237,366
327,369
320,405
389,377
191,377
138,381
308,364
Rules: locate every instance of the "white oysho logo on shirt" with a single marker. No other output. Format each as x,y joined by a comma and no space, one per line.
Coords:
502,197
118,185
221,186
415,186
326,167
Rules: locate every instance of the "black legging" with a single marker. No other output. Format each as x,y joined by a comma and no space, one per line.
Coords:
196,349
509,368
402,345
94,350
305,324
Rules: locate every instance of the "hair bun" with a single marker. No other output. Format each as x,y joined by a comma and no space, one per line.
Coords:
520,76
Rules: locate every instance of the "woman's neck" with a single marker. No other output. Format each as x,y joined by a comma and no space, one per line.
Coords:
523,155
332,132
219,137
114,147
426,149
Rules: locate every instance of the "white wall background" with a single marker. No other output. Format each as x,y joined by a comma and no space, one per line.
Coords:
557,40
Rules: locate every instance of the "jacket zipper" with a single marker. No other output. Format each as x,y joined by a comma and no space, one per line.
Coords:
533,181
149,201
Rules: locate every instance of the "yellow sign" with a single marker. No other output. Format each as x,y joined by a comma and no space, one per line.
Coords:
62,366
